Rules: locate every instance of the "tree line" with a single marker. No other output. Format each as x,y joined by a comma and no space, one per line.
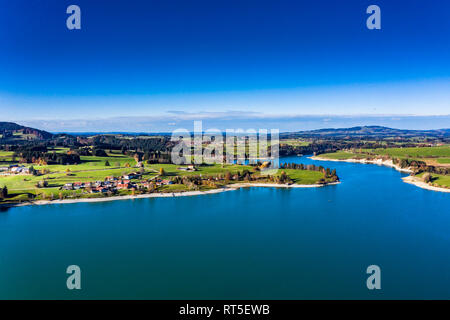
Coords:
3,193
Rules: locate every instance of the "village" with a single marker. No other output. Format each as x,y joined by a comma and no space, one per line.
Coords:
26,177
110,184
14,169
134,181
113,184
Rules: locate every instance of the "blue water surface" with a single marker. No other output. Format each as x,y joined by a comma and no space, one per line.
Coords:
253,243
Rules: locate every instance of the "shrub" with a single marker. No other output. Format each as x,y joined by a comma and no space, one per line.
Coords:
427,177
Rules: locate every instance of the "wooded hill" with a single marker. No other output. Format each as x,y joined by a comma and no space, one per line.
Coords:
368,132
10,131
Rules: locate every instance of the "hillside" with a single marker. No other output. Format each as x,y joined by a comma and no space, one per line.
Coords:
10,131
370,132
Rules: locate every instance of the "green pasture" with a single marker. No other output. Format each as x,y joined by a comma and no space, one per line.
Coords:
416,152
302,176
23,187
443,160
438,179
342,155
5,157
295,142
92,163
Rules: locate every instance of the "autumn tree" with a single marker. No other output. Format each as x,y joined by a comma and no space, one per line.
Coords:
137,157
4,192
32,171
427,177
283,177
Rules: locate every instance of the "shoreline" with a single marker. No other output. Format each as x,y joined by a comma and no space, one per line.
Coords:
388,163
230,187
419,183
381,162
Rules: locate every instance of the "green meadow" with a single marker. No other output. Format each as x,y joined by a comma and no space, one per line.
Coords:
6,157
438,179
295,142
342,155
415,152
303,176
24,187
204,170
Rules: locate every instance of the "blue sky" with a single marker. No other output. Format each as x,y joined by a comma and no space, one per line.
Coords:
227,59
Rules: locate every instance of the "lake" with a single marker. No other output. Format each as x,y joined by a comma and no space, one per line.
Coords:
253,243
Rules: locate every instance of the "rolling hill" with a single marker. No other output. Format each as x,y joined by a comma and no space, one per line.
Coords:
10,131
369,132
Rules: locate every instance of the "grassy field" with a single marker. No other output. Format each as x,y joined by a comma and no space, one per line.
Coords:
92,163
417,152
438,179
303,176
295,142
23,187
5,157
206,170
342,155
443,160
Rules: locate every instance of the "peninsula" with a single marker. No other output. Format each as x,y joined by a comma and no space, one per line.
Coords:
39,167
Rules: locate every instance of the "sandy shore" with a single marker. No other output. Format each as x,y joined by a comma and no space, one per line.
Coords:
419,183
230,187
410,179
381,162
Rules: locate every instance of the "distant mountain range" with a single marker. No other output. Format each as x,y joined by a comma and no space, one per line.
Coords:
14,131
368,131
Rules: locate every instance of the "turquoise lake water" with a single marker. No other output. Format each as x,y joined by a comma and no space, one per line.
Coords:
254,243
